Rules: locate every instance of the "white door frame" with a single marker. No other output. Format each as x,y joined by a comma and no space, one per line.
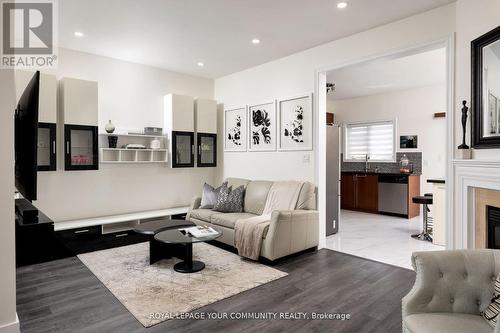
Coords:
320,126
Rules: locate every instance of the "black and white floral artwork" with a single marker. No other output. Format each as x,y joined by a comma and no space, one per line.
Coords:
295,126
262,127
235,130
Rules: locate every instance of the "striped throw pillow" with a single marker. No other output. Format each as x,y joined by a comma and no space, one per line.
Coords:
492,311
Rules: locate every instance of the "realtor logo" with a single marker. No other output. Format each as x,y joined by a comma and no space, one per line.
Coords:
28,34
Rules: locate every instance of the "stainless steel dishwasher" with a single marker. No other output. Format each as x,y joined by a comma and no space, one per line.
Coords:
393,194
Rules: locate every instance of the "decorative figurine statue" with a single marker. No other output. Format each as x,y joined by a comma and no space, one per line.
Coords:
465,109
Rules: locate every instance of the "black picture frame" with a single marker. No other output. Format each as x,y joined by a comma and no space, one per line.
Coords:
478,140
408,141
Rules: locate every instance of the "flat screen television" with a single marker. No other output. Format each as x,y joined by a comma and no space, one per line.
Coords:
26,139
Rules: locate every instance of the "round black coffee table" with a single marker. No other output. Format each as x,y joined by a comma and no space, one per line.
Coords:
157,250
175,236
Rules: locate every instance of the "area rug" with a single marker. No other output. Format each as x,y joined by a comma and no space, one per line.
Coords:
155,293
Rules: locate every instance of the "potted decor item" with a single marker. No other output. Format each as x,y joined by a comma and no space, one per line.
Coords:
110,128
155,143
112,141
464,151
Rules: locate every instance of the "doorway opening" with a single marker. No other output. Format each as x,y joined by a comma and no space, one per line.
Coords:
387,145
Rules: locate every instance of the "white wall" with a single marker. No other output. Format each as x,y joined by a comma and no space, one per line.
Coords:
474,18
295,74
8,319
414,110
131,95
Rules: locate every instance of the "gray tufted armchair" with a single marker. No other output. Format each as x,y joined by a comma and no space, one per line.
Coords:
451,288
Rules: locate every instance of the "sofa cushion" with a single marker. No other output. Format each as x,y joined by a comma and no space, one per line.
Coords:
230,200
445,322
228,219
256,196
202,214
307,197
209,196
236,182
490,314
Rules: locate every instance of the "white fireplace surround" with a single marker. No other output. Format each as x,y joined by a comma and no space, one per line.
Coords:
468,175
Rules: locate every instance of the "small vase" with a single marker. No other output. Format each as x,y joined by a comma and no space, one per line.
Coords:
110,128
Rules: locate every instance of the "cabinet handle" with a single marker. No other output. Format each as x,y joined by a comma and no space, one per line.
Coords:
121,235
81,231
199,150
67,147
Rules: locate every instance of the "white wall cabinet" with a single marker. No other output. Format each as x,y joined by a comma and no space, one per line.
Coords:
79,114
47,116
179,113
47,107
79,102
180,126
206,128
206,116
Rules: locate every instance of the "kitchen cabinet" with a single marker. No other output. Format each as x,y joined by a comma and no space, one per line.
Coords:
380,193
359,192
347,192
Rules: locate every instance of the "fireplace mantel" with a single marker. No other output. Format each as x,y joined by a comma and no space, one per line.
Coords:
468,175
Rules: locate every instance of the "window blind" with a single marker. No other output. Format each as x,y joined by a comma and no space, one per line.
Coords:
375,139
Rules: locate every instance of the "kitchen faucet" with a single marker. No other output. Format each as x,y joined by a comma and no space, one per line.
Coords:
367,158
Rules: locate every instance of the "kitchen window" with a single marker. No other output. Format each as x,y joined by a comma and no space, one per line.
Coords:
373,139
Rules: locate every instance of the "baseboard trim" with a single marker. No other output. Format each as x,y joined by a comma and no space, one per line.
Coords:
11,327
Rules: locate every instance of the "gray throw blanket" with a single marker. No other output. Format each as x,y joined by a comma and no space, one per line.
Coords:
248,233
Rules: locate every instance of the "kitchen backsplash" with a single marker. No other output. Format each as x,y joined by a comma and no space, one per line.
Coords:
415,159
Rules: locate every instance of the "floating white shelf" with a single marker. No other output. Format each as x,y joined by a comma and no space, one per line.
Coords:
119,155
132,156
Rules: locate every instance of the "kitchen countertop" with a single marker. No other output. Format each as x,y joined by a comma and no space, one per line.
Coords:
436,181
381,173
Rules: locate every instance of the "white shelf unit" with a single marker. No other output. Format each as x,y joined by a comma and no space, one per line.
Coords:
122,222
132,156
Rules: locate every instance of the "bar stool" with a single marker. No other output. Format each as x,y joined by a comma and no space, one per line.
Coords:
425,201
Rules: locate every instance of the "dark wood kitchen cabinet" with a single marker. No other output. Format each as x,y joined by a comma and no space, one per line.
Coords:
347,192
359,192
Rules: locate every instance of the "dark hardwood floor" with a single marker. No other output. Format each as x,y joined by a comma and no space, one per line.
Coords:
64,296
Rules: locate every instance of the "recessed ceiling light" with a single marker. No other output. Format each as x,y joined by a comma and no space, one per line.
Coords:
200,64
255,41
342,5
78,34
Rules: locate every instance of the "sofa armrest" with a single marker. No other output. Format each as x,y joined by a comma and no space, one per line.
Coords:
195,204
454,281
291,231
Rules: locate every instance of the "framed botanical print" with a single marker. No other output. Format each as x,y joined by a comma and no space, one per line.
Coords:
235,129
295,130
262,127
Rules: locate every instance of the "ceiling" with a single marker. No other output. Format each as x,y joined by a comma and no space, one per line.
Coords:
176,34
387,75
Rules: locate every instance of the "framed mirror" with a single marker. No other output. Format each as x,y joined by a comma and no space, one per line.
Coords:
486,90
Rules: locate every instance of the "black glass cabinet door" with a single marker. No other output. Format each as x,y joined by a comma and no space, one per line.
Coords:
46,150
81,147
207,150
182,149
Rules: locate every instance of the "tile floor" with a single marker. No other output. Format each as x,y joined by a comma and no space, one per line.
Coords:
379,237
